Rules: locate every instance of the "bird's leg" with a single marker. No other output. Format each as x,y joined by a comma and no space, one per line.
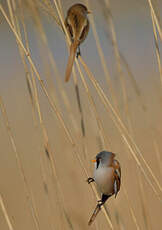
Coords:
103,199
78,52
90,179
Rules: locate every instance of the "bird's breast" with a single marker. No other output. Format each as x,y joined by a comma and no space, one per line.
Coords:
104,179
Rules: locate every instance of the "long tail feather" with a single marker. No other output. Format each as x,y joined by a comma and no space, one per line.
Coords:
71,59
96,211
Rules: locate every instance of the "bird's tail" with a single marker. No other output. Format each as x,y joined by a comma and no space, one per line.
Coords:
96,211
71,59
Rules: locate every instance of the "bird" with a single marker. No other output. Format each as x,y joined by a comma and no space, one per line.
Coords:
77,25
107,175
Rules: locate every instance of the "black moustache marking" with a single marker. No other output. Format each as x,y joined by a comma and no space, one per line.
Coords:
98,161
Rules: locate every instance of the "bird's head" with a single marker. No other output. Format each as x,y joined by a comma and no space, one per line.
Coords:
79,8
105,158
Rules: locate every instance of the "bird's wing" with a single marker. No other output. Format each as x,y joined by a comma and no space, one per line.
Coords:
84,31
117,175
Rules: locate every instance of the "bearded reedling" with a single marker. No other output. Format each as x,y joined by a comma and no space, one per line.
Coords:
77,25
107,175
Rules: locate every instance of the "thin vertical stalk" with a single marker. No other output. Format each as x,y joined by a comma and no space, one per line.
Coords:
5,213
20,166
156,45
121,127
153,13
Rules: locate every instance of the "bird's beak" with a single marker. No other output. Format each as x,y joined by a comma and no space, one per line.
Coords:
89,12
94,161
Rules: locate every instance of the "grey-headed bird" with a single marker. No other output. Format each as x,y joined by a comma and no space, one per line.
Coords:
107,175
77,25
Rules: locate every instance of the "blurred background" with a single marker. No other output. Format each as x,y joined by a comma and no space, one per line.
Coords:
45,160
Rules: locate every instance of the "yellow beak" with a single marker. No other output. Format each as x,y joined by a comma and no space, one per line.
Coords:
94,161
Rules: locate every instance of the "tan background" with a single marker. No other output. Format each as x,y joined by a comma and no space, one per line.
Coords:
135,38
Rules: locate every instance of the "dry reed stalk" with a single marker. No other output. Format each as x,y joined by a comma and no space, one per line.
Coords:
26,69
120,57
118,61
53,105
47,7
121,76
130,75
47,146
44,131
149,169
153,14
55,69
49,80
131,209
117,56
20,167
141,168
82,123
5,213
103,137
76,87
54,108
27,72
133,82
117,52
158,156
119,221
156,45
57,186
102,58
121,127
45,185
51,161
60,195
116,49
78,100
65,98
16,26
142,196
93,187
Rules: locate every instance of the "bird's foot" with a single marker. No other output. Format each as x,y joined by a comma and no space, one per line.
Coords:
100,203
90,180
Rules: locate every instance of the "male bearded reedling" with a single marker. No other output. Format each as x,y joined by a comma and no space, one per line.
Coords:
107,175
77,25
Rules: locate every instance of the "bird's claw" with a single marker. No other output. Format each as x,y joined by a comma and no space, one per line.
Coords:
90,179
100,203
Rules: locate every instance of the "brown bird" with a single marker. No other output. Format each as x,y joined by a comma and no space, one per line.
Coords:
77,25
107,175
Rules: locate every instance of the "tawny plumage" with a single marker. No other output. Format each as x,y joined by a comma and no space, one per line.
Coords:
107,175
77,25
